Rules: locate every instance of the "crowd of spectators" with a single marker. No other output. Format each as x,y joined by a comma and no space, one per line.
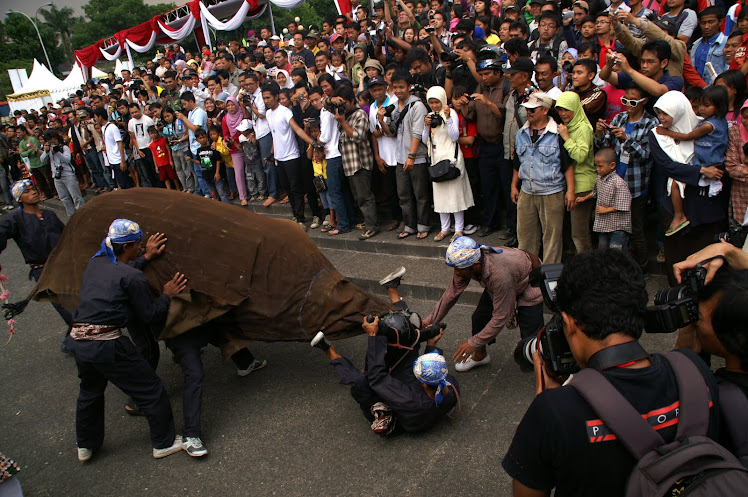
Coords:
522,117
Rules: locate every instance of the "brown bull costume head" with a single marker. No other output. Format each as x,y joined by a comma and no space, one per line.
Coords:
263,273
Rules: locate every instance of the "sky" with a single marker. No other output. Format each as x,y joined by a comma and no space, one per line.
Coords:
29,7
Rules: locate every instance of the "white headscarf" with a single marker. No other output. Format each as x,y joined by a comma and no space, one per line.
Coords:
289,82
676,105
438,93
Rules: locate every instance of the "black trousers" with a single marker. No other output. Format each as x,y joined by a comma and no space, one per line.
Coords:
117,361
145,343
496,185
529,318
472,216
64,313
312,197
290,172
186,348
638,239
389,185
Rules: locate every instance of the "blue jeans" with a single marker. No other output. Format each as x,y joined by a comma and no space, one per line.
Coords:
201,188
214,185
338,195
614,240
100,178
271,174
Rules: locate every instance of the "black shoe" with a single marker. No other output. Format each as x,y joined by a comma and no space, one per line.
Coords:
508,233
392,280
319,341
485,231
513,243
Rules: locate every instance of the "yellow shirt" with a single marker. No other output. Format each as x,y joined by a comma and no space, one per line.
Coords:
224,151
320,167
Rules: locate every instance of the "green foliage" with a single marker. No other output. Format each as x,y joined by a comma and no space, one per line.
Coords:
18,41
311,12
5,86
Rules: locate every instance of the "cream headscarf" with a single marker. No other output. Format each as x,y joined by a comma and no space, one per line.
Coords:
438,93
676,105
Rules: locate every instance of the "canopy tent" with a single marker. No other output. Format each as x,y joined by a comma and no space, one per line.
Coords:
197,16
37,91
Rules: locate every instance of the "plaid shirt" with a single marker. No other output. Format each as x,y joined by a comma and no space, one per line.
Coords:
637,146
356,151
612,191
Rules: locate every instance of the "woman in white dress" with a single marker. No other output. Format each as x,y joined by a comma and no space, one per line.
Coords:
451,197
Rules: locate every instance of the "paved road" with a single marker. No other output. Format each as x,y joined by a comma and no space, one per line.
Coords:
289,429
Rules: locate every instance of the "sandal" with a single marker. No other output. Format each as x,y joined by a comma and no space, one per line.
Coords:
422,234
367,234
334,232
393,226
403,235
440,236
327,227
132,409
675,229
361,226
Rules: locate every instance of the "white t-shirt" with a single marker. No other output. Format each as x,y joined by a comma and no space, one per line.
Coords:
329,133
198,117
111,137
387,144
260,125
687,25
284,138
139,127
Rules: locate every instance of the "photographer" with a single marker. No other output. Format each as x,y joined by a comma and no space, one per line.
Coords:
561,442
58,156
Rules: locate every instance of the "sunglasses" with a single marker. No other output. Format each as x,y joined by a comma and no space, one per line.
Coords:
632,103
531,110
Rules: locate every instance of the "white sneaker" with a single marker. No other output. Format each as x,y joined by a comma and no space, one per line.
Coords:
176,447
194,446
470,363
470,229
315,223
254,366
84,454
392,280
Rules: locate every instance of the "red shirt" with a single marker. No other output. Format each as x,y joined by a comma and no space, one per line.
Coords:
160,154
614,102
467,128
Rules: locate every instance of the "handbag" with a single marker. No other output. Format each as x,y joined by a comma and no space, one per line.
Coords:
319,183
445,170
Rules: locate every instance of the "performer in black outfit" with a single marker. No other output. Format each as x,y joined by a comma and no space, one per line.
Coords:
113,290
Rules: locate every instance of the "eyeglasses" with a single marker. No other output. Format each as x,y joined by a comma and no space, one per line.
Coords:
548,25
602,21
531,110
632,103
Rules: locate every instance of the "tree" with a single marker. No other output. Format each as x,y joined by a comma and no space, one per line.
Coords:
18,41
61,21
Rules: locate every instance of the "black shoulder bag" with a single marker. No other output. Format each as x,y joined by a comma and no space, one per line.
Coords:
445,170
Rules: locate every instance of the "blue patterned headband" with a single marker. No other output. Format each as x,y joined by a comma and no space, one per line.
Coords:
463,252
120,231
431,369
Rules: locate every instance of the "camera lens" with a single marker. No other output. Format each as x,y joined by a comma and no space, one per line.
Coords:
665,295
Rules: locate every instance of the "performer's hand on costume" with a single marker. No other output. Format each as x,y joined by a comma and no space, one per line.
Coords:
463,352
176,285
155,246
433,341
372,328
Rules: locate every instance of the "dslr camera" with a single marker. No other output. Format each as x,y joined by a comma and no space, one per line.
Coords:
550,342
678,306
56,149
448,57
389,110
568,67
735,235
436,119
419,91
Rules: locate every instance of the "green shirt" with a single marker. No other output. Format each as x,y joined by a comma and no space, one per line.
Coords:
26,150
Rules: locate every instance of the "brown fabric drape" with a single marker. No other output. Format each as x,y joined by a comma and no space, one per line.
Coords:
266,273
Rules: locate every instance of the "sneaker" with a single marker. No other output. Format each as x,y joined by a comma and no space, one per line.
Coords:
470,229
315,223
206,196
194,446
254,366
167,451
485,231
392,280
470,363
319,341
303,226
84,454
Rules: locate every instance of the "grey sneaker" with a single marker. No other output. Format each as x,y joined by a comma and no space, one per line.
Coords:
84,454
254,366
319,341
315,223
167,451
392,280
194,446
470,229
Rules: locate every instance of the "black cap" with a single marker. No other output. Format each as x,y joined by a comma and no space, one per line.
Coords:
511,7
541,2
522,64
377,80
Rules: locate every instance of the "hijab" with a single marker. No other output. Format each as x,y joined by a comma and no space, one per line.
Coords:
233,120
569,100
743,130
289,81
676,105
440,94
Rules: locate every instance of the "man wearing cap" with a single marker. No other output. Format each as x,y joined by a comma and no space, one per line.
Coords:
543,183
311,41
581,10
504,274
113,290
36,232
275,42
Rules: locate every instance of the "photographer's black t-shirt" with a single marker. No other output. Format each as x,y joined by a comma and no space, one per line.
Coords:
562,443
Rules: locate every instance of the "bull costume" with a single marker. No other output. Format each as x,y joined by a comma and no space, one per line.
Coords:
112,291
36,234
390,391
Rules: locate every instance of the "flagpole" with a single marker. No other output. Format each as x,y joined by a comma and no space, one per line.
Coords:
272,22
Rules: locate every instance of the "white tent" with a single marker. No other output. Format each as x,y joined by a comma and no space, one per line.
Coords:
37,91
95,73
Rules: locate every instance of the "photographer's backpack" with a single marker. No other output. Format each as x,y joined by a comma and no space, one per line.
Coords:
733,406
693,464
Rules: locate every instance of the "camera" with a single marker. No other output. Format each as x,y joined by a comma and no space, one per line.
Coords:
58,172
436,119
550,342
372,32
56,149
340,109
246,99
419,91
429,29
568,67
569,14
735,235
448,57
389,110
678,306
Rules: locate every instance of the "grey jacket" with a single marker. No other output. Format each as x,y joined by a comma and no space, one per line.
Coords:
411,127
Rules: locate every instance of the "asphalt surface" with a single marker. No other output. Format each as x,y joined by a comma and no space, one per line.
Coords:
289,429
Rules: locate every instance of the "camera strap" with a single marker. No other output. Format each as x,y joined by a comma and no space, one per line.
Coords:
617,355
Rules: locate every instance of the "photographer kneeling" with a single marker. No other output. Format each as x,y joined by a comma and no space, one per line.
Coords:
562,442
